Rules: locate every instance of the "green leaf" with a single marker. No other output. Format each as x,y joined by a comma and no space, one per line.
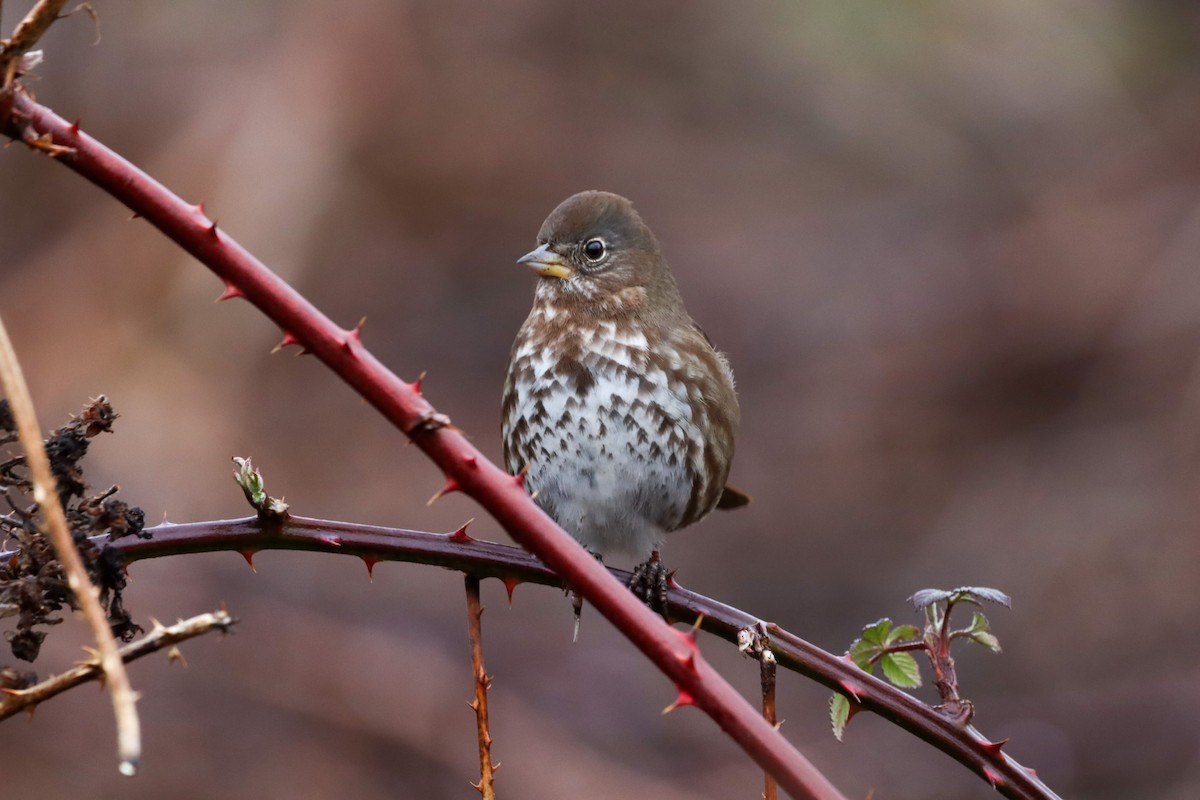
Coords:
901,669
839,714
988,640
933,617
902,632
861,652
877,632
874,640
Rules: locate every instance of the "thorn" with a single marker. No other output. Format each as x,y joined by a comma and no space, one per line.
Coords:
134,216
519,478
451,485
460,535
685,699
688,636
416,385
212,229
671,582
688,658
249,556
288,340
471,461
199,209
994,747
370,562
509,585
175,656
73,128
353,336
230,293
329,539
993,777
854,709
533,495
1032,772
852,689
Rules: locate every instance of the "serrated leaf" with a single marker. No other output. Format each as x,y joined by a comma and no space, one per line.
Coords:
986,639
902,632
927,597
877,632
983,593
979,623
839,714
901,669
861,652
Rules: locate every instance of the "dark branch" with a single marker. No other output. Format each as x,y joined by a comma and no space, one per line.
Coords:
485,559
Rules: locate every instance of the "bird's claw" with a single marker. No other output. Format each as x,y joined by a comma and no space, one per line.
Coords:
649,583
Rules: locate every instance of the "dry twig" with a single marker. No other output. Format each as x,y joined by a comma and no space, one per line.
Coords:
767,675
27,33
487,772
16,699
45,494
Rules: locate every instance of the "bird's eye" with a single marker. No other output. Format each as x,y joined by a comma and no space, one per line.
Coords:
594,249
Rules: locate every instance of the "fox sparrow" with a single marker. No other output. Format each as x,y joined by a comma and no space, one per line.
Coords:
616,406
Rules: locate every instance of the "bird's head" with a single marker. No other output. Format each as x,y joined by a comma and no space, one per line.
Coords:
595,249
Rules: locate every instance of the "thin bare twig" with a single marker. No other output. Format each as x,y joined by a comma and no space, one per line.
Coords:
487,772
754,642
14,700
45,494
766,673
27,33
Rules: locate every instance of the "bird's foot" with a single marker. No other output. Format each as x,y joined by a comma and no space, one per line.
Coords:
649,583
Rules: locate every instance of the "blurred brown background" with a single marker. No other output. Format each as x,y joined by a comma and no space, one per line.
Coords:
949,248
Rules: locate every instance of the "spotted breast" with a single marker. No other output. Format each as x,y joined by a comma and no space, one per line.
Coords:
616,405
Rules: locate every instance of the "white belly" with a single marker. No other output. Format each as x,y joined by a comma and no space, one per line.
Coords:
611,454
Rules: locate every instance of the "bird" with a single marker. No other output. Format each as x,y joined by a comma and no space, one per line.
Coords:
617,409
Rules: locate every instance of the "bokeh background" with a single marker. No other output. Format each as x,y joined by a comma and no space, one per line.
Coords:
950,249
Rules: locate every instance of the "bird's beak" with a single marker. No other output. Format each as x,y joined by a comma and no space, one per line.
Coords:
546,262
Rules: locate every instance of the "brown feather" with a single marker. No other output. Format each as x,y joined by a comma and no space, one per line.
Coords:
732,498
